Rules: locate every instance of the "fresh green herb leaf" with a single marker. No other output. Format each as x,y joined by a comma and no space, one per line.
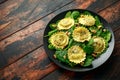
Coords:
69,44
87,13
99,32
61,55
75,14
93,29
53,26
97,21
71,30
96,30
78,44
50,46
68,14
106,35
88,61
51,32
88,49
91,41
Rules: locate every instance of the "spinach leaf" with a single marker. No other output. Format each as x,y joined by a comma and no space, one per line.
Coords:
88,49
68,14
61,55
50,46
88,61
71,29
93,28
91,41
75,14
87,13
106,35
97,21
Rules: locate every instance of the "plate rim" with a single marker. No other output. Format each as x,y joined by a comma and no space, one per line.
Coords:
80,70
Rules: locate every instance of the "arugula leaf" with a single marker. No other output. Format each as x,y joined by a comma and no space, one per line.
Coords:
88,61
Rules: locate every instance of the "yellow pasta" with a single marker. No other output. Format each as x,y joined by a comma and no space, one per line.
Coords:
87,20
76,54
99,45
59,40
65,23
81,34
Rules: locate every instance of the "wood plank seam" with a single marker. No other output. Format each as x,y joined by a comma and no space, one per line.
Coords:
35,21
3,1
108,6
41,44
48,14
22,56
114,30
117,28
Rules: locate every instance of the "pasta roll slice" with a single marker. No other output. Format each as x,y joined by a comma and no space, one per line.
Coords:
59,40
99,45
65,23
81,34
76,54
87,20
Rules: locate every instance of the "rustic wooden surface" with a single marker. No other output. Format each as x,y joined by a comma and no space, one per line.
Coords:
22,23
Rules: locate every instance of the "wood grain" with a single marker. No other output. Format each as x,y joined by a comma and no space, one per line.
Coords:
2,1
96,6
20,13
108,71
102,73
31,67
30,39
27,39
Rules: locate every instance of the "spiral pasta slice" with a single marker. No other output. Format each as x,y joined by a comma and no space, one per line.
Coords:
76,54
65,23
81,34
99,45
59,40
87,20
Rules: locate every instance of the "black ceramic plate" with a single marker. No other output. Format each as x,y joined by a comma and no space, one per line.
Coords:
97,62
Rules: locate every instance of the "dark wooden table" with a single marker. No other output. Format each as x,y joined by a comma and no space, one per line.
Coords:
22,23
